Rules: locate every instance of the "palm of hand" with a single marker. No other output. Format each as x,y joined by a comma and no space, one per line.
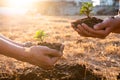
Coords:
40,56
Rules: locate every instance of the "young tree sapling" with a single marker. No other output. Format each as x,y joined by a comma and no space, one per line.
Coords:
40,36
86,9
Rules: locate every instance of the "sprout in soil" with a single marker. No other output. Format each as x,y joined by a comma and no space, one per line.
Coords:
86,9
40,35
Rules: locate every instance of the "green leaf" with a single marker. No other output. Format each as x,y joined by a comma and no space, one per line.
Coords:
40,35
86,8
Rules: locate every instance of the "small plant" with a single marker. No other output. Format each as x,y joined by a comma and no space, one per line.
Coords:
40,35
86,8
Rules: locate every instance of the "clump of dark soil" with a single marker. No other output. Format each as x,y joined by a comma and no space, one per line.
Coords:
89,21
118,77
57,46
59,72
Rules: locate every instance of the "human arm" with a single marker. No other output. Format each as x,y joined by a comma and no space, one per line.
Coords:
3,37
26,44
37,55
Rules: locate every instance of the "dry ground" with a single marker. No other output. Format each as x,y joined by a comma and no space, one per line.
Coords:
83,59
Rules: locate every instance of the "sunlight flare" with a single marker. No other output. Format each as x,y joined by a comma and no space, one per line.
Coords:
18,6
20,3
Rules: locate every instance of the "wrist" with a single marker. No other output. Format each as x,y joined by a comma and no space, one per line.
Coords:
116,24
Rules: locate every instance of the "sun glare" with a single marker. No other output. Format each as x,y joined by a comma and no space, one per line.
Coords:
19,6
20,3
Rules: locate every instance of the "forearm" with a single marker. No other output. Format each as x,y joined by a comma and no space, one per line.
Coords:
12,50
1,36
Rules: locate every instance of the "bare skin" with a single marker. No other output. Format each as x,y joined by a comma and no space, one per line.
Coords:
36,55
109,24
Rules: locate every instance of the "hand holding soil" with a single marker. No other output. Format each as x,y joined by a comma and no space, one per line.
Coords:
82,26
94,27
86,9
40,36
85,27
111,24
100,30
43,56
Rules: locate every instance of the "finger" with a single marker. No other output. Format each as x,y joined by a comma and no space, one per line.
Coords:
100,26
47,63
53,53
86,31
87,28
41,63
108,30
81,31
97,32
104,24
50,62
55,59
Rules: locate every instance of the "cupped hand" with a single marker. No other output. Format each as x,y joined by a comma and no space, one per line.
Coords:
86,31
100,30
113,23
43,56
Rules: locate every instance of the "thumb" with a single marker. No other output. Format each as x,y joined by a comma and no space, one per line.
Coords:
54,53
100,26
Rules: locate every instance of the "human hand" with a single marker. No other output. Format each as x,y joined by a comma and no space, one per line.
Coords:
43,56
100,30
86,31
112,23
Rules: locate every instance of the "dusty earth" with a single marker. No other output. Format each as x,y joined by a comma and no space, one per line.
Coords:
83,59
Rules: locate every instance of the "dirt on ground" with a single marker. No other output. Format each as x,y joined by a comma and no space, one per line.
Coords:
83,59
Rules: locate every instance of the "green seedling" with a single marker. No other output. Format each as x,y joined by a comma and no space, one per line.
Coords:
86,9
40,35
